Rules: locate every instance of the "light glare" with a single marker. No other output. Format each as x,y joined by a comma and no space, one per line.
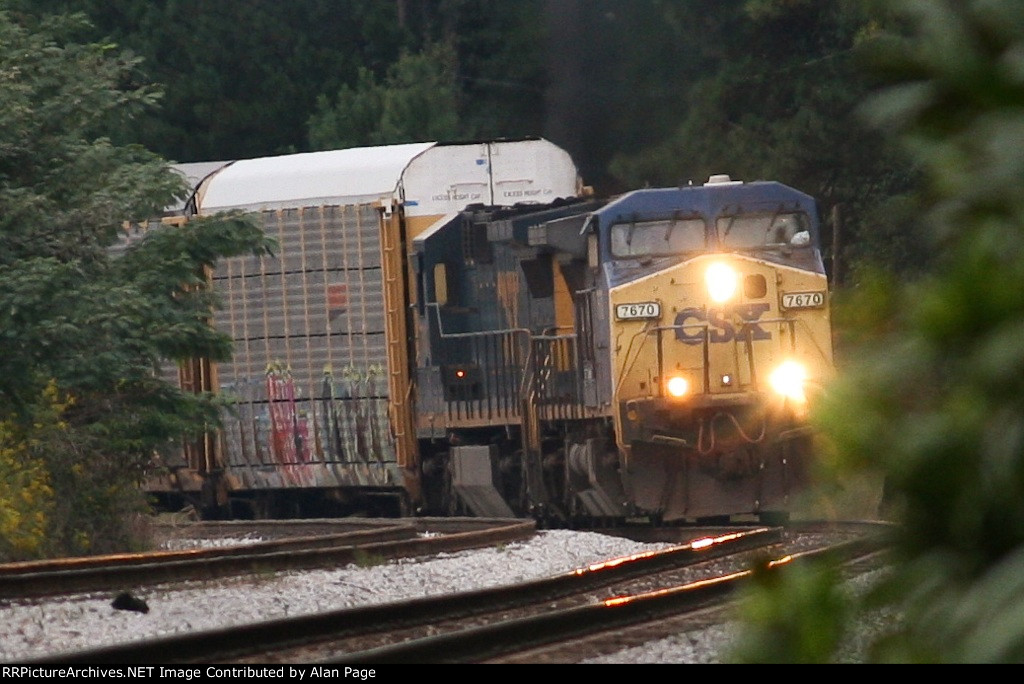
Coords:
722,282
678,386
788,380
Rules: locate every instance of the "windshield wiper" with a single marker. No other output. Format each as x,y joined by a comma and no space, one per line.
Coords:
778,211
728,227
676,217
732,219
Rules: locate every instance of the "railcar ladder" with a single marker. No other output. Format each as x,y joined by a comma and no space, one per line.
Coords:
396,326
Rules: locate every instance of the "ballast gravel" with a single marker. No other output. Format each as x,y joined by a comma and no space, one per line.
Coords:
35,629
41,627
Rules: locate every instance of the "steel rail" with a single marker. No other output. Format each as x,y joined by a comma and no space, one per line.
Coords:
223,645
479,644
123,573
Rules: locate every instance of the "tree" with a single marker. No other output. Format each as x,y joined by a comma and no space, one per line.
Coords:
85,332
242,78
466,70
936,402
768,89
418,101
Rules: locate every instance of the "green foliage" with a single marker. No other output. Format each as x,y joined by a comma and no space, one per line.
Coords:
418,101
57,172
59,494
794,616
776,97
956,622
26,497
84,334
242,78
936,398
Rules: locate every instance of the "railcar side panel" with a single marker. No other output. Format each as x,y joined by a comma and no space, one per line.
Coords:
309,372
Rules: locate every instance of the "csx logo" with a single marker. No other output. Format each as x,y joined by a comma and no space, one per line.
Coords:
721,323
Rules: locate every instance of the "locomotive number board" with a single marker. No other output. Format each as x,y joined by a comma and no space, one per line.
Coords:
638,310
803,300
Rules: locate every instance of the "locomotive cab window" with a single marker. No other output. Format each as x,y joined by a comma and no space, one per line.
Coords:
764,231
658,238
441,294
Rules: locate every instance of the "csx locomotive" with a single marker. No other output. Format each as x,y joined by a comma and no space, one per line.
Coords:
465,330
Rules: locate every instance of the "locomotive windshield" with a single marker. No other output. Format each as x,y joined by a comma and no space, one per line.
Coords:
760,231
658,238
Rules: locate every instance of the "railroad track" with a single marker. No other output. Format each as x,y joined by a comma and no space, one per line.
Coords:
299,545
553,631
492,625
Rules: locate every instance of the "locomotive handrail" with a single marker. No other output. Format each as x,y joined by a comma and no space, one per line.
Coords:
626,369
527,384
509,403
803,323
504,331
476,333
553,331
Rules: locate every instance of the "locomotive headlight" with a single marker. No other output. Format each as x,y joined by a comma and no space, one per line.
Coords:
788,380
722,281
677,386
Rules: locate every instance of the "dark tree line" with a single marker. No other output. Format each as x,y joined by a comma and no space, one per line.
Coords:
645,92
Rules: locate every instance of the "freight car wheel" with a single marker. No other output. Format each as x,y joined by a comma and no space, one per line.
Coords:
437,490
